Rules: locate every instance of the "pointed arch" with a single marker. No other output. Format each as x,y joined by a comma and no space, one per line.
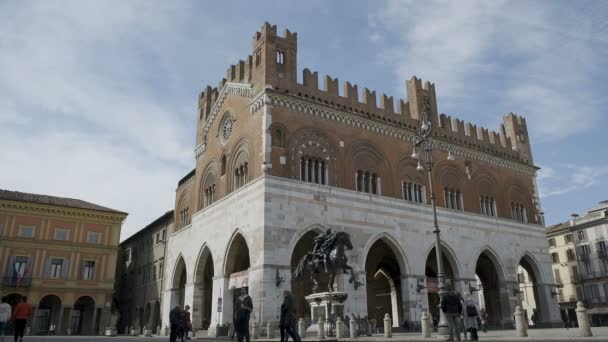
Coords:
394,245
180,266
496,261
202,304
318,228
237,248
528,261
448,253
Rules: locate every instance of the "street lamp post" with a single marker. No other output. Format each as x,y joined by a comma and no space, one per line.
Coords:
426,164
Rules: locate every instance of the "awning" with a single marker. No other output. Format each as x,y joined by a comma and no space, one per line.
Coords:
238,280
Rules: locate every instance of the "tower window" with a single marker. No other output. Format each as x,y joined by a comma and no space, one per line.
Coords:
280,57
258,58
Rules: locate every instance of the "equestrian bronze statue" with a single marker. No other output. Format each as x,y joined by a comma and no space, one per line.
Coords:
328,256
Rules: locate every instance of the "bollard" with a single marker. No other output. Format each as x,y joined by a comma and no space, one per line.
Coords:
583,320
321,326
339,328
269,330
352,324
388,326
520,322
302,327
424,324
254,330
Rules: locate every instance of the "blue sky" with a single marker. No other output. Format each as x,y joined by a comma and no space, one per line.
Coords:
98,99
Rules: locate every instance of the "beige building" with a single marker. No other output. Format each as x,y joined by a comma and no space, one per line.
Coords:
61,254
579,252
139,276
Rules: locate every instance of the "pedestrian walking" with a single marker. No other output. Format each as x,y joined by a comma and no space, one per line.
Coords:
174,317
186,323
483,318
287,321
244,308
52,328
23,311
534,317
470,316
5,316
452,307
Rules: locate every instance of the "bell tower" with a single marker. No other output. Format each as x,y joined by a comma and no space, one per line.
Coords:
274,58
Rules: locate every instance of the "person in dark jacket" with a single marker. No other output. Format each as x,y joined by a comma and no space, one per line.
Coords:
244,309
452,308
288,319
174,320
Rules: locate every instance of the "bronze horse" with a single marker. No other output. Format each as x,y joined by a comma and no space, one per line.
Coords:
330,259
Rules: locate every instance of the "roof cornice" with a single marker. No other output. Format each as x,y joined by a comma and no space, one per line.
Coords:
268,96
63,212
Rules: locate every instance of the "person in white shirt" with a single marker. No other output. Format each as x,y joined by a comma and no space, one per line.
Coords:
5,316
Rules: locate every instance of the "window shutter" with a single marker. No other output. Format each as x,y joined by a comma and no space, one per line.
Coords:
65,269
29,267
47,268
10,268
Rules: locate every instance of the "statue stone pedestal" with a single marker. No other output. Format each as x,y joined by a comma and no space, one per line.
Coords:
325,305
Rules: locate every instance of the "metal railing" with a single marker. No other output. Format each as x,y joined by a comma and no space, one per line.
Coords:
17,282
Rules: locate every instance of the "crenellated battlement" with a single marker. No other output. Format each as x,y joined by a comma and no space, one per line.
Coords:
273,63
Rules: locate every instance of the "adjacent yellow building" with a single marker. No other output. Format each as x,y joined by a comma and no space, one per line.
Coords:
61,253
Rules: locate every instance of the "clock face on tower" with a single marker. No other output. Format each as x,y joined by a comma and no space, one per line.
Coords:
226,126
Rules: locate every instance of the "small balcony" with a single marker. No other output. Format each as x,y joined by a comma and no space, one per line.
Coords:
602,253
584,257
17,282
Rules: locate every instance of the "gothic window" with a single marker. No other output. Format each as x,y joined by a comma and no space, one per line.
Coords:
209,195
280,57
184,217
518,212
453,198
487,205
241,175
313,170
258,58
223,165
412,192
277,137
367,181
426,103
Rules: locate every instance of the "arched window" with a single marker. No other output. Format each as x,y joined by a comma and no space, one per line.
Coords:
487,205
313,170
184,217
209,195
412,192
280,57
518,212
367,181
277,137
241,175
223,165
453,198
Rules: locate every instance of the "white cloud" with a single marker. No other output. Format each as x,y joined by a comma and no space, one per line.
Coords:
564,179
98,102
519,53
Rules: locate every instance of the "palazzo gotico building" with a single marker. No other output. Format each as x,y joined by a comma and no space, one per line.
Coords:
278,161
